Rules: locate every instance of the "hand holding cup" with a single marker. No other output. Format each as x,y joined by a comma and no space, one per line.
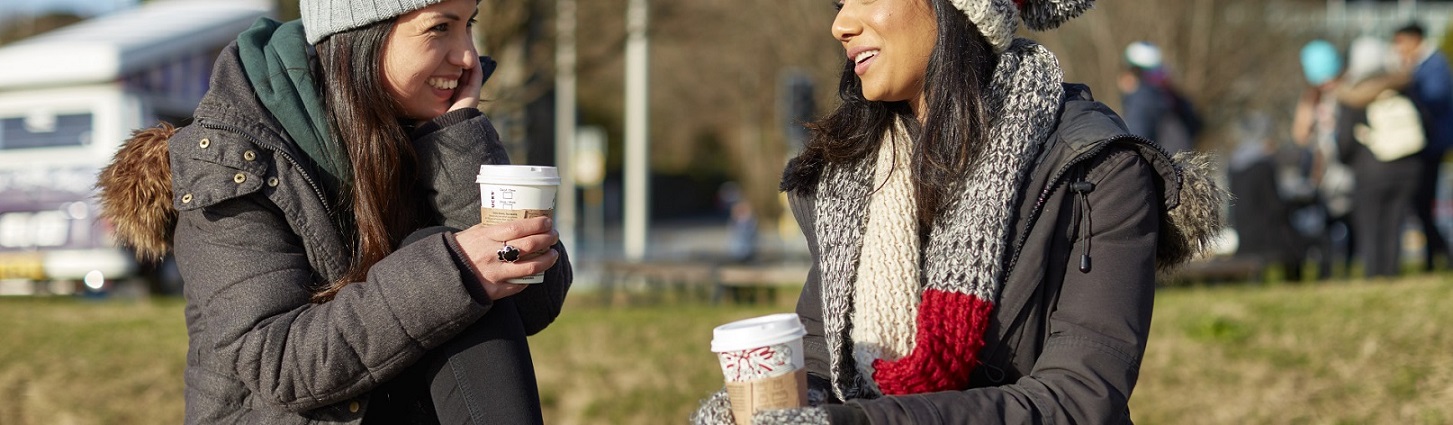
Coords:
533,237
763,363
514,192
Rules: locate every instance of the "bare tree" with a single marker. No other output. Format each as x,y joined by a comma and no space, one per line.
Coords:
723,62
1231,57
20,26
716,64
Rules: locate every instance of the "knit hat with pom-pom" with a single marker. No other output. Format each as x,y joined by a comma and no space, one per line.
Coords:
998,19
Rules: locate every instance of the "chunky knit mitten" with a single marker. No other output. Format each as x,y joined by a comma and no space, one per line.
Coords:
717,408
798,416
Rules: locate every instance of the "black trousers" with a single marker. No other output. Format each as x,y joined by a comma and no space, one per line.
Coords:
483,376
1423,200
1382,202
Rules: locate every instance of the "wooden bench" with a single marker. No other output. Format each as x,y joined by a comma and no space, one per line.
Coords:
1217,270
657,282
756,283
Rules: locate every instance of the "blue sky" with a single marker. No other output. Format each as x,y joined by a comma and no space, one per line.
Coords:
79,7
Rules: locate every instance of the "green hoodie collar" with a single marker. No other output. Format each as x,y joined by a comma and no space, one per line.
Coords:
278,62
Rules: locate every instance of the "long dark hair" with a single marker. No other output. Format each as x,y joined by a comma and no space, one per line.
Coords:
381,156
948,141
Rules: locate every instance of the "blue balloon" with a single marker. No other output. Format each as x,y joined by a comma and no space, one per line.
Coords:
1320,62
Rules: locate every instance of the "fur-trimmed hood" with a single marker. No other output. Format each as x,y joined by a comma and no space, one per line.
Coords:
136,192
1191,199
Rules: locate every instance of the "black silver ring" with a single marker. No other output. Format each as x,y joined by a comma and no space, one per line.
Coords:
508,254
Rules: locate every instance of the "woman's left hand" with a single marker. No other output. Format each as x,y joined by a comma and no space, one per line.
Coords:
469,85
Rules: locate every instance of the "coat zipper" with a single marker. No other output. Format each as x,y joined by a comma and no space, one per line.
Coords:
1039,207
1055,181
322,198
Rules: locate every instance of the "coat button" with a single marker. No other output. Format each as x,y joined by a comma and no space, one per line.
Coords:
205,143
249,155
187,199
272,181
239,178
353,407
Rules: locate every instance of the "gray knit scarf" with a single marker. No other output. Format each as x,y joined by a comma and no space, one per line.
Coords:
967,251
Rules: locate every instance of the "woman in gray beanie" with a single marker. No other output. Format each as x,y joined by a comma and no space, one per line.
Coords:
985,237
313,207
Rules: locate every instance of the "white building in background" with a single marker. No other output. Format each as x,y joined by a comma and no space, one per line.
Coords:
68,99
1351,18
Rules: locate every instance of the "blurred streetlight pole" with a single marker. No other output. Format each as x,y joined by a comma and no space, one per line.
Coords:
637,162
565,121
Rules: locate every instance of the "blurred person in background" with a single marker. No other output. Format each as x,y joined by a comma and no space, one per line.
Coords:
1431,89
1261,213
1326,221
743,230
741,224
312,206
1383,155
1151,104
985,237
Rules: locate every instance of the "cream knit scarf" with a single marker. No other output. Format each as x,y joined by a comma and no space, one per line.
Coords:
885,296
875,349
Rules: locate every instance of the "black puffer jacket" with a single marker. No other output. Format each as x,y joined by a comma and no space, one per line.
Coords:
254,237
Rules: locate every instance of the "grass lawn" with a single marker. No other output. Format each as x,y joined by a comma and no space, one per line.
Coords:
1360,352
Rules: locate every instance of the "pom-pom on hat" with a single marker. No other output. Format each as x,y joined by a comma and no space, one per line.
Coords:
322,18
998,19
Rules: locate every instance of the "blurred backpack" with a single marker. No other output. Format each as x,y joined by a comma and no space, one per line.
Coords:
1394,130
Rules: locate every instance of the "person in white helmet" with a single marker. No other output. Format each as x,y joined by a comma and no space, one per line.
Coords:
1151,106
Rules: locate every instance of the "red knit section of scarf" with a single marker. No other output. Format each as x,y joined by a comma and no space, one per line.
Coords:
950,333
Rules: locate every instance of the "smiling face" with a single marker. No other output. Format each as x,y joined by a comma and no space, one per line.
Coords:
427,56
890,41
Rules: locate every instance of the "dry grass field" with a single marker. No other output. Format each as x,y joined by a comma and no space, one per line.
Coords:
1331,353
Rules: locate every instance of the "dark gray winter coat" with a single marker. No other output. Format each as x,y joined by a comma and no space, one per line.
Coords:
1063,346
255,237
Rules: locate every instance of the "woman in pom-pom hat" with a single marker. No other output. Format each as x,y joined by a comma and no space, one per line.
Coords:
985,237
313,208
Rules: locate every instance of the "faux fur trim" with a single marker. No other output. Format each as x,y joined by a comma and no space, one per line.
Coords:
1196,219
801,174
136,192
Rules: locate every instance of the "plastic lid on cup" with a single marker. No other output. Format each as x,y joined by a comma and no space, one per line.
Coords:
529,175
757,332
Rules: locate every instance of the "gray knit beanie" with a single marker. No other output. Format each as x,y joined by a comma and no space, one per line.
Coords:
998,19
322,18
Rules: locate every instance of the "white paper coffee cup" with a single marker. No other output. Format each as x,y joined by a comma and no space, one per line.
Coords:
513,192
760,347
762,361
